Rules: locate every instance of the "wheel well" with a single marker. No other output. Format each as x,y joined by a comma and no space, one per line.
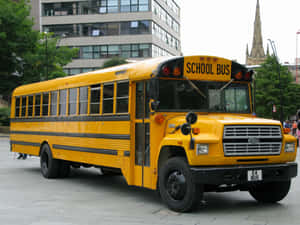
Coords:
169,152
44,143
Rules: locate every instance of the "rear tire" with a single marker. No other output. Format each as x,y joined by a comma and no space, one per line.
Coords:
270,192
49,166
176,187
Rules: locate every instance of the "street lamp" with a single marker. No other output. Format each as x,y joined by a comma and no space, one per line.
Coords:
272,43
46,53
298,32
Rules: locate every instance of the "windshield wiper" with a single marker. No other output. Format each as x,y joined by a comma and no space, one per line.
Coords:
195,87
226,85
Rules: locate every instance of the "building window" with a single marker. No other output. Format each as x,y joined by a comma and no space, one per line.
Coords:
37,105
72,101
62,102
112,6
53,110
108,98
122,97
83,100
95,99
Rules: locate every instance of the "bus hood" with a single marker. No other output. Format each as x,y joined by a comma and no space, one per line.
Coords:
212,123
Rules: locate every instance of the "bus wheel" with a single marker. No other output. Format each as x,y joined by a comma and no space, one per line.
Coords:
270,192
176,187
49,166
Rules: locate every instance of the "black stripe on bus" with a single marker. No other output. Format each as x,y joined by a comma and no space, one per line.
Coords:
83,149
83,135
25,143
73,118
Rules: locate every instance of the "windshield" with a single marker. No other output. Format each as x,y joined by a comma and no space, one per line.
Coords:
182,95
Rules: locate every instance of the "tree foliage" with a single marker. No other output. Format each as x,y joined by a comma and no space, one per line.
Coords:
26,55
267,90
114,62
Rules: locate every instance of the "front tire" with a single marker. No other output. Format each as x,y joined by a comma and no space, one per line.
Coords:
270,192
176,187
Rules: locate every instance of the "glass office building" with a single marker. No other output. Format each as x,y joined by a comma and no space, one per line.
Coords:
101,29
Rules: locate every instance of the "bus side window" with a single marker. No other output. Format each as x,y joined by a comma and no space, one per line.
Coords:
30,105
108,98
122,97
23,107
45,105
17,107
37,105
142,100
95,99
72,101
62,102
53,110
83,100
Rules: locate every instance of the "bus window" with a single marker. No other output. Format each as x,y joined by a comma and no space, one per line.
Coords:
62,102
95,99
17,111
23,108
108,98
142,100
53,103
122,97
72,101
45,105
83,100
37,105
30,105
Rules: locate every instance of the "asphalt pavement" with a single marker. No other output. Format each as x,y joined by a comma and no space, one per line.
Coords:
89,198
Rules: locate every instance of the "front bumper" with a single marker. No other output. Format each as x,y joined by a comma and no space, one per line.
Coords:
238,174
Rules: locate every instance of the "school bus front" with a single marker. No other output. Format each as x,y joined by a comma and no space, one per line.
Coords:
208,139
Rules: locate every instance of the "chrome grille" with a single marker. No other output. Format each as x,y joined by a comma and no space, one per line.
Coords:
249,140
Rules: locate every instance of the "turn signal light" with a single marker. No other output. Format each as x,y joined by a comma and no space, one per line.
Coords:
196,130
238,76
286,130
159,119
177,71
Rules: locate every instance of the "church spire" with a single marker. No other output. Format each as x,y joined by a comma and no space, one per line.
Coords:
257,54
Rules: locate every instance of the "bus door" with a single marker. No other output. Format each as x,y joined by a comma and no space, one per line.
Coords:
142,136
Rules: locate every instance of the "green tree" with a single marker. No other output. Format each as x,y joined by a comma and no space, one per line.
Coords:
267,92
114,62
47,60
17,38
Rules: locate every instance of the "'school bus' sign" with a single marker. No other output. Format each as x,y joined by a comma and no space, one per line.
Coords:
207,68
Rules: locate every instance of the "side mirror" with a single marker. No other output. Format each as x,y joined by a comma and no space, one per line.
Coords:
186,129
153,105
191,118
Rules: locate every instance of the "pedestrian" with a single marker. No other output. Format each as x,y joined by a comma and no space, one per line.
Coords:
22,156
294,128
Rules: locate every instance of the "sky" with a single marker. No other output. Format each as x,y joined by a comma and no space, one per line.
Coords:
224,27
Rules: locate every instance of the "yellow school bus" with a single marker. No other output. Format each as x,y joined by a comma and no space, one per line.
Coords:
180,125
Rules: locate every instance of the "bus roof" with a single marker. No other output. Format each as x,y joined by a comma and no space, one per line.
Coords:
140,70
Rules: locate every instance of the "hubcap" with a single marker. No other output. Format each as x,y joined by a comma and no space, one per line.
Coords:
176,185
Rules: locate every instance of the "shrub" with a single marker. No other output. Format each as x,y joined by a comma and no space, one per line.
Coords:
4,116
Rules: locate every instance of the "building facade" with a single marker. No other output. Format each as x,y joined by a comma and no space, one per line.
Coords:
102,29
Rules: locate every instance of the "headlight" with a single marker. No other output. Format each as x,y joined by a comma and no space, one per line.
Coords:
202,149
289,147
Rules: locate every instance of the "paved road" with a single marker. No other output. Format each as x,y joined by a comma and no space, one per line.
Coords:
87,198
